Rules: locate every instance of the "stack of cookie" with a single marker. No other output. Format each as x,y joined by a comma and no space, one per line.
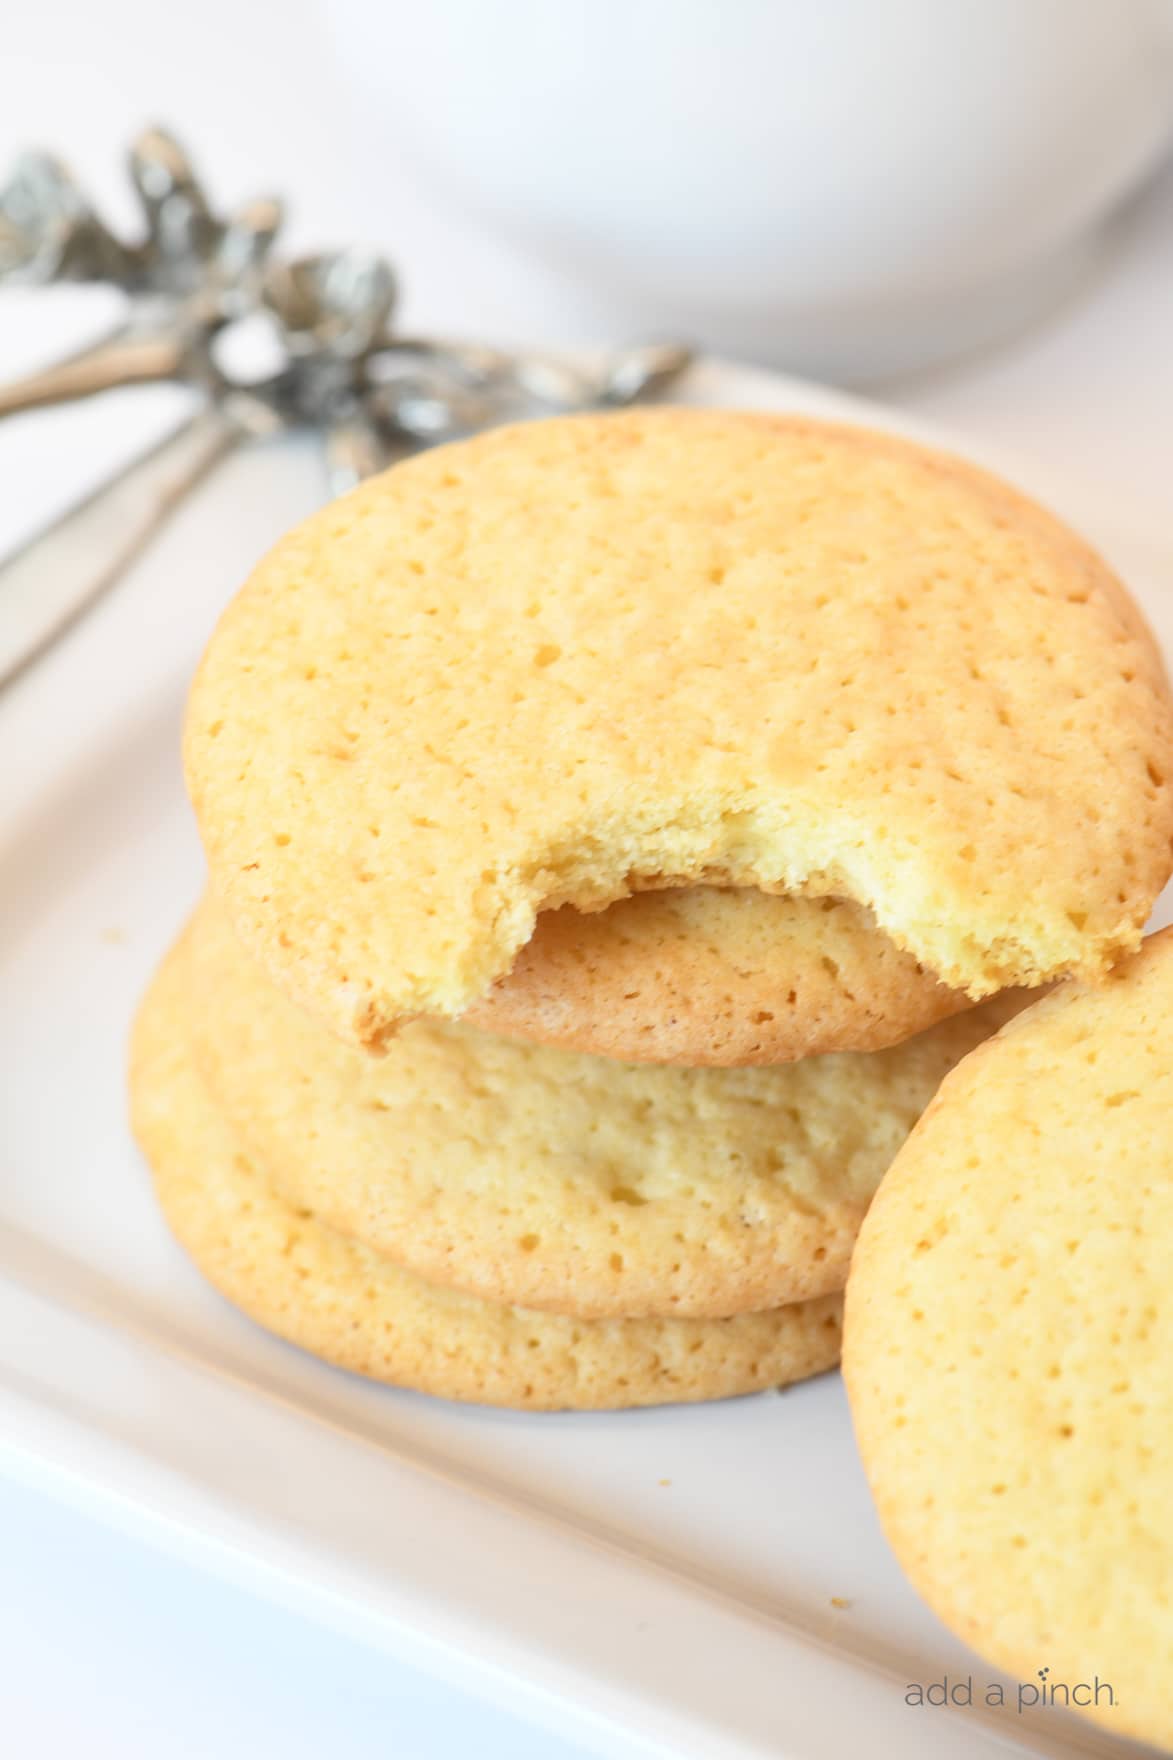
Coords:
617,828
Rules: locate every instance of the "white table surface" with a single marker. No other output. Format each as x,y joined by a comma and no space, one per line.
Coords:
106,1648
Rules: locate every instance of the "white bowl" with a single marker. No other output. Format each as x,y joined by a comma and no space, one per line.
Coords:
856,187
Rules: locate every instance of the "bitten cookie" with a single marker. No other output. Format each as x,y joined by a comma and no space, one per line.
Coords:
553,1179
701,975
338,1300
1009,1344
563,661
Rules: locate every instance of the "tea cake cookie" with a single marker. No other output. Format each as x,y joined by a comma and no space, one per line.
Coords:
1009,1346
704,975
579,1184
564,661
337,1299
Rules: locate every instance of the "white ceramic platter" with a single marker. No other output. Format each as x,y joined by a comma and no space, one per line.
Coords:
701,1582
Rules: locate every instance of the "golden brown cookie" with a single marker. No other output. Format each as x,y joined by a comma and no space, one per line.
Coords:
1009,1349
578,1184
702,975
562,661
335,1298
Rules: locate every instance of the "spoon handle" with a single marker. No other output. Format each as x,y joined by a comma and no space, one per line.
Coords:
123,361
51,579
